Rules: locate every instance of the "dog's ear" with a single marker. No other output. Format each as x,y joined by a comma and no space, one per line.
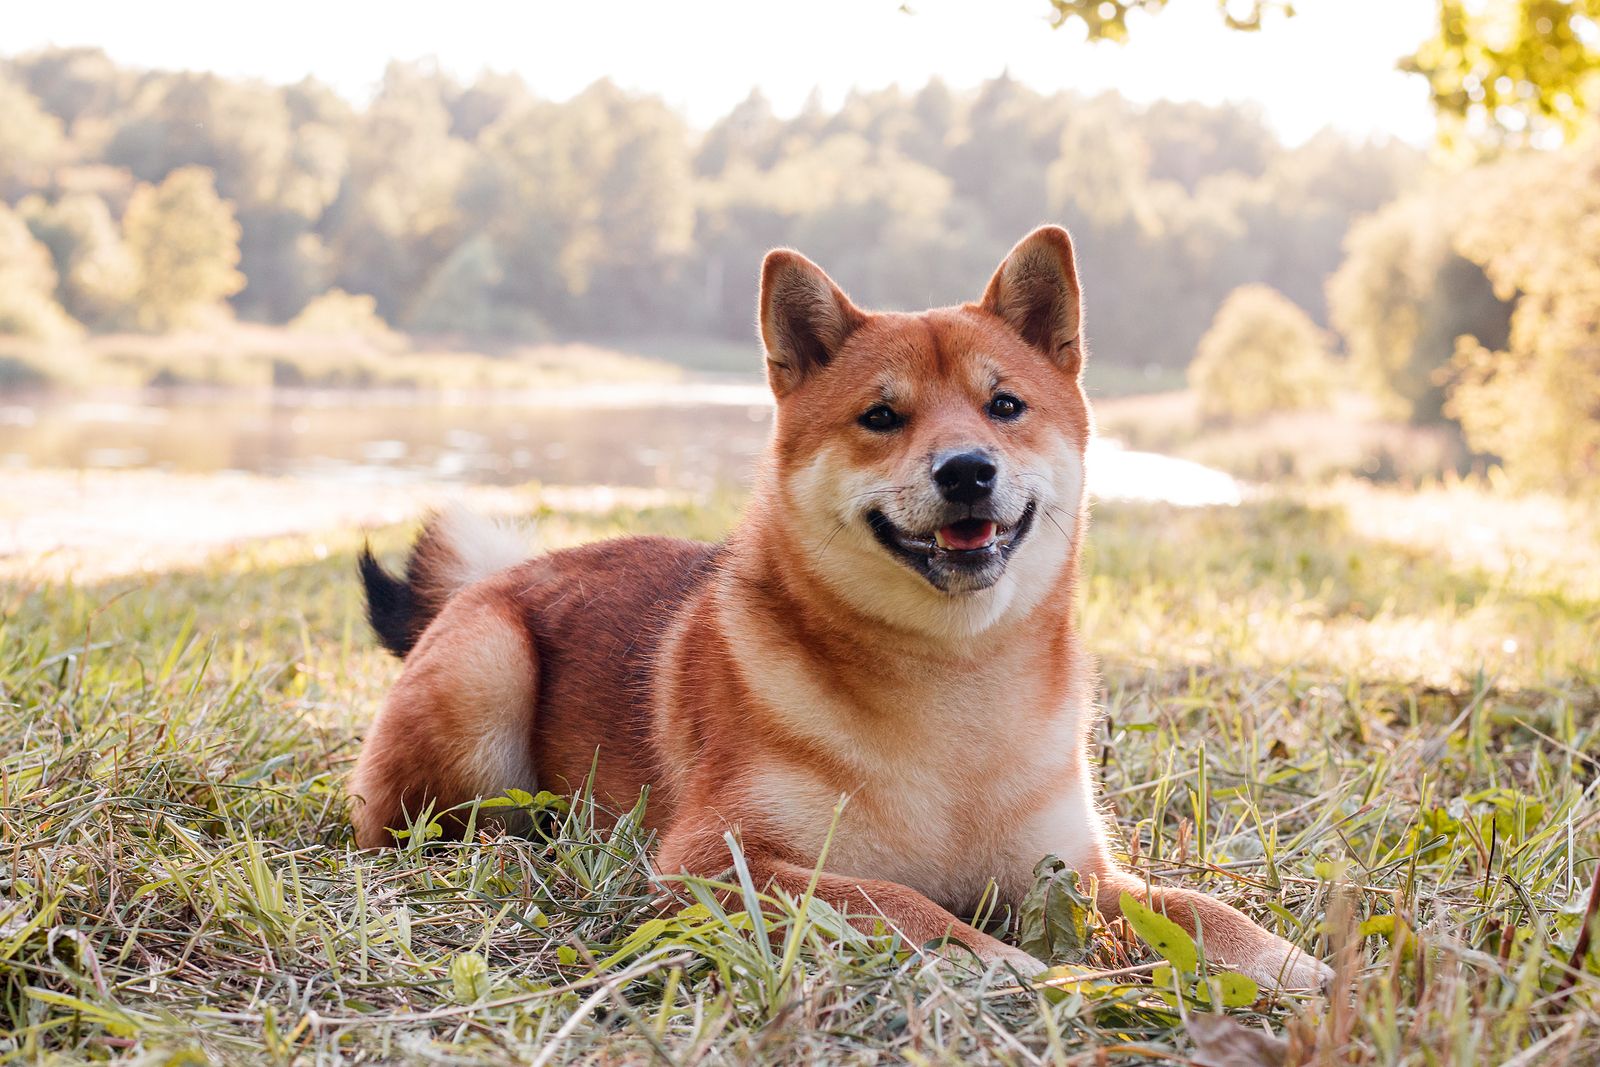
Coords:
804,318
1035,290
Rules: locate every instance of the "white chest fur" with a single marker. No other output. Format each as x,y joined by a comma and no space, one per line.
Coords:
966,786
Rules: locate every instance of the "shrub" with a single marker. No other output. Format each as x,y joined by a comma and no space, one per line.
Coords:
337,313
1261,354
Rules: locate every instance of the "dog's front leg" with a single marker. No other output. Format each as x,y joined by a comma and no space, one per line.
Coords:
1231,938
866,903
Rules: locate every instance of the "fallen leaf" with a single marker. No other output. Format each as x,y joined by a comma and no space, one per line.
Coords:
1223,1042
1053,922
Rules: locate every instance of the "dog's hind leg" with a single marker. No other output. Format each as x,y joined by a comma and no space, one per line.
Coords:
458,724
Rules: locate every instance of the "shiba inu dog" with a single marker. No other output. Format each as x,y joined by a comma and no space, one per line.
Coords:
892,621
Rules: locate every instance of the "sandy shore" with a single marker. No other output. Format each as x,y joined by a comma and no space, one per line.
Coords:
91,525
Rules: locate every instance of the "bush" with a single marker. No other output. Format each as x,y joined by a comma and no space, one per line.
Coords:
1261,354
337,313
185,240
1534,400
1404,294
28,305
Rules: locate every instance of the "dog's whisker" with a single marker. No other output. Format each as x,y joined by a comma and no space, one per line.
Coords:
829,540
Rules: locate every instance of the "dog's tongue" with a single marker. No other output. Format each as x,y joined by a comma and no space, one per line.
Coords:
965,535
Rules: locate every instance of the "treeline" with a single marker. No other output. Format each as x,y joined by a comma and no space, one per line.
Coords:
144,198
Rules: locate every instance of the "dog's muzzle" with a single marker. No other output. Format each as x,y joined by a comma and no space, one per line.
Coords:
965,554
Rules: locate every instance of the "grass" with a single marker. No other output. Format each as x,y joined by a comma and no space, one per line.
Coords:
1374,747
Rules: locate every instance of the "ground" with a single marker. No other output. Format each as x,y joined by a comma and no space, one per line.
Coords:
1368,718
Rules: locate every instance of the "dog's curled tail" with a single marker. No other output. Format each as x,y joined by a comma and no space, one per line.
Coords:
456,548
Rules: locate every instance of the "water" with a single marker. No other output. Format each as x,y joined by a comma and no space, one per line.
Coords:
692,438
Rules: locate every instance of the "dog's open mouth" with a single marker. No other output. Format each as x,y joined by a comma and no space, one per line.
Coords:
971,545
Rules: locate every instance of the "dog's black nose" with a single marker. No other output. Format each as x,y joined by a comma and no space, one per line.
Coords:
965,477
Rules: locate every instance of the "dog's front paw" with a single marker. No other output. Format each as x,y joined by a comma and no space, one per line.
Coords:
1285,967
1004,956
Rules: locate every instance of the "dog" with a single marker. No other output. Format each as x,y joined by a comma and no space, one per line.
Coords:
892,621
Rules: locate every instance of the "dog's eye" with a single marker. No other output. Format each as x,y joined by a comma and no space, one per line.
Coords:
881,419
1005,406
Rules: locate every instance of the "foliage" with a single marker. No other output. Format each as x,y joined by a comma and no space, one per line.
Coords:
1513,71
337,313
1404,294
186,243
1261,354
182,886
28,306
1535,228
1107,20
1500,72
98,275
31,139
460,296
481,209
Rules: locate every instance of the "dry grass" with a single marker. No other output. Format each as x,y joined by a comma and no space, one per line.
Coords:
181,887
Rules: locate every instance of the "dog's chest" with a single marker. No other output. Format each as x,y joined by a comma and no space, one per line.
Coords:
945,808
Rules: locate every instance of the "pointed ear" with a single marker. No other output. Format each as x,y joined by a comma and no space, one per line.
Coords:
804,318
1035,290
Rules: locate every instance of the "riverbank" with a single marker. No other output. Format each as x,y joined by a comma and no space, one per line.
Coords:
88,526
244,355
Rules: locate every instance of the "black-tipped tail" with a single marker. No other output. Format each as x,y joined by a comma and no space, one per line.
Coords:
454,549
393,607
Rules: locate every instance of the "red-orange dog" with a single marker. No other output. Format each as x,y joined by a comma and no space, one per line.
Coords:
892,621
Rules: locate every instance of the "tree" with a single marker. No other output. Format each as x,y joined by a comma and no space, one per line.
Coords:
237,130
79,86
27,285
31,140
591,196
186,242
397,217
1107,20
462,297
1262,354
98,275
605,215
337,313
1534,398
1513,71
1502,72
1404,294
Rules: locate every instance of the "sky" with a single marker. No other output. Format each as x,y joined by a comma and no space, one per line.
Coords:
1333,64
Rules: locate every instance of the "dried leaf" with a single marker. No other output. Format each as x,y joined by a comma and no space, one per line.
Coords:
1220,1041
1054,920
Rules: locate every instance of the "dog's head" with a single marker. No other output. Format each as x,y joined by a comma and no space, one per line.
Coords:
931,465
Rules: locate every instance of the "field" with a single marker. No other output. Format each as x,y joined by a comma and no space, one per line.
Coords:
1368,718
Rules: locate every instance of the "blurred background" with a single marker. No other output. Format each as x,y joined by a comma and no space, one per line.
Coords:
306,266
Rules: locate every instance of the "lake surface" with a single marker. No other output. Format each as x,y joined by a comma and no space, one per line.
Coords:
693,438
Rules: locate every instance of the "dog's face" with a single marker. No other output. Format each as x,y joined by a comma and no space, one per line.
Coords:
931,465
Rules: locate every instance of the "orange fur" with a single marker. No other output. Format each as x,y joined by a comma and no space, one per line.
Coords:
836,645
